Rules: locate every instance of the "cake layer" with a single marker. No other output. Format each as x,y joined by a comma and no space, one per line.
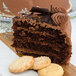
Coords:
44,46
37,53
23,43
41,30
54,57
38,37
37,27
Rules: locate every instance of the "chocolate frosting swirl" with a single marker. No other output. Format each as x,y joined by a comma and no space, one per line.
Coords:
59,18
55,9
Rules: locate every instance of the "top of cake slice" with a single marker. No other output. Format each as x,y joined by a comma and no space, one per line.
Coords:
57,17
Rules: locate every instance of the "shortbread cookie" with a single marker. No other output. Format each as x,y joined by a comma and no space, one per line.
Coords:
41,62
52,70
21,64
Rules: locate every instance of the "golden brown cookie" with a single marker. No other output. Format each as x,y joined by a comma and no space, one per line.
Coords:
41,62
21,64
52,70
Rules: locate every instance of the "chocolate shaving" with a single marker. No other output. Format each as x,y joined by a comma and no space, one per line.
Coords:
54,9
59,18
40,10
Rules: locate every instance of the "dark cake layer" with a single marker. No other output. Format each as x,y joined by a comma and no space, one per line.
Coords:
55,57
43,34
38,37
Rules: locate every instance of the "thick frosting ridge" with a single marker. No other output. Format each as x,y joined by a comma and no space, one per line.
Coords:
55,9
59,18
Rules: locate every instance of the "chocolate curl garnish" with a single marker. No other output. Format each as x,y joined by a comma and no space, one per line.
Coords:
54,9
39,10
59,18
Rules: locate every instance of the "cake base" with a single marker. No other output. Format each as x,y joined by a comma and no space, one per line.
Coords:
69,69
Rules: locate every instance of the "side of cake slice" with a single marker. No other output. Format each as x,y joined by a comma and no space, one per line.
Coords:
43,33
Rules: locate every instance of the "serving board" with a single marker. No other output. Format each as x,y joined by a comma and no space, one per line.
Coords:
69,70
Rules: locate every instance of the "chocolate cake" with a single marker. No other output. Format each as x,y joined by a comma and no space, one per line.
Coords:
43,32
17,5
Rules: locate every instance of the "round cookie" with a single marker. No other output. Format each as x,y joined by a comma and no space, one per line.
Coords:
41,62
52,70
21,64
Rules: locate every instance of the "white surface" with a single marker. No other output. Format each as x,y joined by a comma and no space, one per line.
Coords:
73,38
7,56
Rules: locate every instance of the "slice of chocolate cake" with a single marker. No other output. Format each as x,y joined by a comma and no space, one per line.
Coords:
43,33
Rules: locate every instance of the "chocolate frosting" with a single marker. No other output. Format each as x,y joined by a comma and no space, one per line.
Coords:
59,18
58,14
38,9
55,9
